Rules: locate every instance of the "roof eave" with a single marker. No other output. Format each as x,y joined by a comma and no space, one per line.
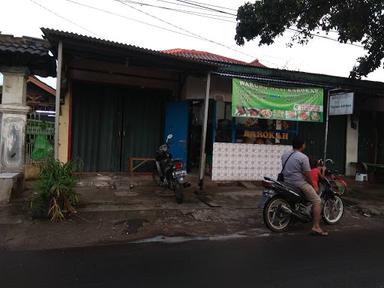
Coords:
322,79
77,41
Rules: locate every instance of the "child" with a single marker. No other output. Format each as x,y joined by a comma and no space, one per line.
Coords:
317,171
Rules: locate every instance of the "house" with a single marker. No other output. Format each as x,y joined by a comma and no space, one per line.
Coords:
119,101
40,96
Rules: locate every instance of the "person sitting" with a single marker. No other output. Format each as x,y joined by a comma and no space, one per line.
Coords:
317,171
297,172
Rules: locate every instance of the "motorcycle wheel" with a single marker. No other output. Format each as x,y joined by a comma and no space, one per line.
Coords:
178,193
333,210
275,218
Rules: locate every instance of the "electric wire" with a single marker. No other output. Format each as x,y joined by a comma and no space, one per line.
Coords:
327,38
129,18
197,4
186,5
64,18
201,5
195,13
187,32
184,30
170,30
211,5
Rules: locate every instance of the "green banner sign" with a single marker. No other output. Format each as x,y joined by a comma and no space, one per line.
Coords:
293,104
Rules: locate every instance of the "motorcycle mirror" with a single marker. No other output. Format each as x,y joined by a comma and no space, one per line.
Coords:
169,137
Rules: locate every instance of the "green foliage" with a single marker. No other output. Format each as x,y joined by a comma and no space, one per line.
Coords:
55,196
354,20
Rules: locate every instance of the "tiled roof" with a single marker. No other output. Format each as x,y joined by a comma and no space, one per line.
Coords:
29,52
29,45
211,57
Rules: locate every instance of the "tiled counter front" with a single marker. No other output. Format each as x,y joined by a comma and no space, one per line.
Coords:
234,162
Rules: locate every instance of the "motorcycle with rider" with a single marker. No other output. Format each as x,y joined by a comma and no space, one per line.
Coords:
296,195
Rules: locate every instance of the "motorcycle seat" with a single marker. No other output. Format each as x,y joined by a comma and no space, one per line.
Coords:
294,189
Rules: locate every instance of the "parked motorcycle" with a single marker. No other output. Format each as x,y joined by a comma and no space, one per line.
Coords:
336,180
168,172
283,203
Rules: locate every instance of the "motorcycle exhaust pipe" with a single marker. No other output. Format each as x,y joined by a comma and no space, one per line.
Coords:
289,211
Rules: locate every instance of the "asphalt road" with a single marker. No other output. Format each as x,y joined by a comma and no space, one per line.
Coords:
344,259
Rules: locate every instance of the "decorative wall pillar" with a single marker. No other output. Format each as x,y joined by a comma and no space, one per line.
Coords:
13,119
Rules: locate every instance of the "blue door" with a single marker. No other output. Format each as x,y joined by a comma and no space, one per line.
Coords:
177,123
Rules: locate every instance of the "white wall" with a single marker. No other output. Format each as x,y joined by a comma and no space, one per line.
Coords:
221,88
352,147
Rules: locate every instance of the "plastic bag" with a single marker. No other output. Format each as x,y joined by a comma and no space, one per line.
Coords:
42,149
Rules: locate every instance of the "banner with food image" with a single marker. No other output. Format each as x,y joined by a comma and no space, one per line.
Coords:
253,100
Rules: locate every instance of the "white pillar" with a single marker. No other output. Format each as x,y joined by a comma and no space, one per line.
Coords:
58,97
352,147
13,111
204,132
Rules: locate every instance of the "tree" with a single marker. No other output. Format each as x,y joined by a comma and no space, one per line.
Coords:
360,21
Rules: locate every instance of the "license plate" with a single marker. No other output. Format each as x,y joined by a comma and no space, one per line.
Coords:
180,173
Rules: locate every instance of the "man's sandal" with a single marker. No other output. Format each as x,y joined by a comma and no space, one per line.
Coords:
317,233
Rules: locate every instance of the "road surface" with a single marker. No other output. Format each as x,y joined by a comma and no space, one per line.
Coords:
344,259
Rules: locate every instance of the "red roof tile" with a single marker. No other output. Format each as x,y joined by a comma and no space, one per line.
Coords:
207,56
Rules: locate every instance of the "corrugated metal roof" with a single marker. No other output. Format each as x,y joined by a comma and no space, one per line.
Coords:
191,56
226,67
211,57
55,35
301,78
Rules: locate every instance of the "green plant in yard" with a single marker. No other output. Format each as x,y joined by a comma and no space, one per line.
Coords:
55,195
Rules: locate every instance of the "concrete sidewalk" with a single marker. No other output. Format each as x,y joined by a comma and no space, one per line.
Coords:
366,197
119,208
111,193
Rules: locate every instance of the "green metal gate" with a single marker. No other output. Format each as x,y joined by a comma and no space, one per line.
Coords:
112,123
33,130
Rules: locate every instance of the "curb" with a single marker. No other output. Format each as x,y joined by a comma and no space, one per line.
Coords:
367,209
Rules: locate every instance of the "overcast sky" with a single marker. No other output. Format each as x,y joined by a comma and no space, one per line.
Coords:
126,24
